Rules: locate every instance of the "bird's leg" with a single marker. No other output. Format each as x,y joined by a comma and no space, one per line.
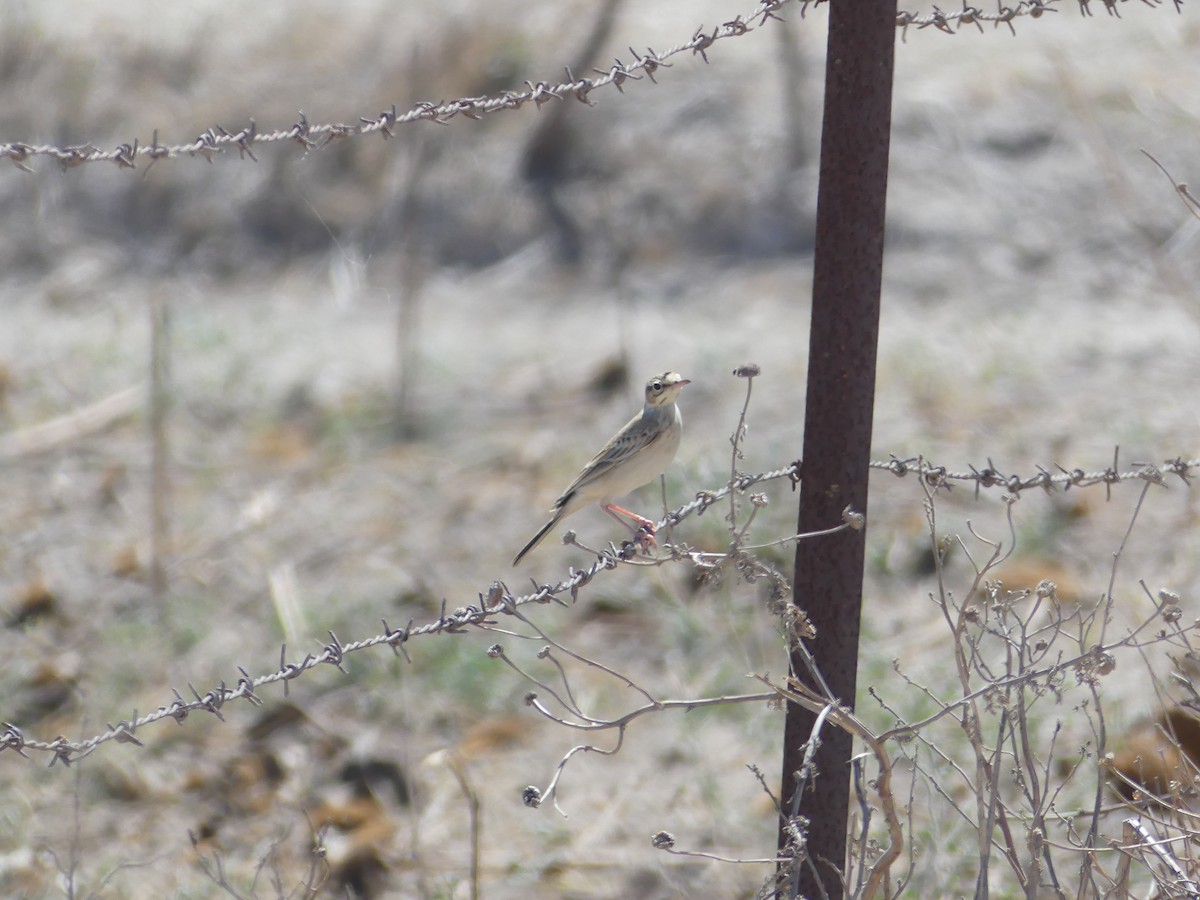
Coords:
643,534
618,512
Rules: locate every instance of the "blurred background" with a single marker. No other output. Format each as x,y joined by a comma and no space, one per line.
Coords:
378,361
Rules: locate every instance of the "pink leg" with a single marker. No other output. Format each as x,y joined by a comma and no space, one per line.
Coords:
617,512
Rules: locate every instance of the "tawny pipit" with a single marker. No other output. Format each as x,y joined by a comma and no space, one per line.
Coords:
637,454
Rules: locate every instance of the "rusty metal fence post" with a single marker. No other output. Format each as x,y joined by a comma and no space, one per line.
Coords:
838,411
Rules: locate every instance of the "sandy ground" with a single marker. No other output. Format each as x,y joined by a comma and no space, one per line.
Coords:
1040,306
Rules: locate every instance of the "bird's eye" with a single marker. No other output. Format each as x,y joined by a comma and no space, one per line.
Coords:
656,386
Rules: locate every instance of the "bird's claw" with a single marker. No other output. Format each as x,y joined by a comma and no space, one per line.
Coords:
643,540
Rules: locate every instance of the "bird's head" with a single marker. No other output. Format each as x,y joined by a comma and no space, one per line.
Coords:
663,390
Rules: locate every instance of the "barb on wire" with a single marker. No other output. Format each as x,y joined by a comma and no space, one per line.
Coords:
314,136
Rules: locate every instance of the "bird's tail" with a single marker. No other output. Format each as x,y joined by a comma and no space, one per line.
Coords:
537,538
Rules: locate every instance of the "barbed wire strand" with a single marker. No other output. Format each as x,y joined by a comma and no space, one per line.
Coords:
990,476
500,600
313,136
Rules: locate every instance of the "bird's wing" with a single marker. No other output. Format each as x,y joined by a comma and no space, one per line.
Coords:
637,435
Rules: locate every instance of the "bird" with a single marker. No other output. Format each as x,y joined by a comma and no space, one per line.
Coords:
636,455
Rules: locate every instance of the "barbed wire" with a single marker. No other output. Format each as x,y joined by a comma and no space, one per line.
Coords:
499,600
312,136
991,476
971,15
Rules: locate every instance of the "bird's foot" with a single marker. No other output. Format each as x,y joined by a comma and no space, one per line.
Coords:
644,537
642,529
643,541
